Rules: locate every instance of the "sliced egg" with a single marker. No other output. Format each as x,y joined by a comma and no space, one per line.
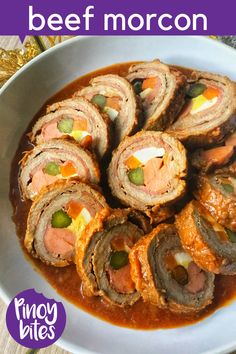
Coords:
201,103
78,135
112,113
80,222
183,259
149,153
86,215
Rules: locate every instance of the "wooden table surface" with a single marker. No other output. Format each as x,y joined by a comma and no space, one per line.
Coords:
7,344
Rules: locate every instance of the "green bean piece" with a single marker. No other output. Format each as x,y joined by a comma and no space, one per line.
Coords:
60,219
119,259
136,176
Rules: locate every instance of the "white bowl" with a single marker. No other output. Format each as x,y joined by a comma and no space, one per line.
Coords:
20,99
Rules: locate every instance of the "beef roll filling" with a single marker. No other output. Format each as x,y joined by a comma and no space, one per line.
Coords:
57,218
114,96
55,160
211,246
147,170
210,110
102,257
76,119
209,159
161,91
217,193
166,275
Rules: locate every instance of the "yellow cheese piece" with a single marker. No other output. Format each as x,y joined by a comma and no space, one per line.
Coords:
80,222
198,102
79,134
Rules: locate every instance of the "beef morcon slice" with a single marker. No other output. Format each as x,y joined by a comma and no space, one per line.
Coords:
206,160
55,160
161,91
166,276
75,119
102,256
115,96
211,246
217,193
56,219
148,171
209,113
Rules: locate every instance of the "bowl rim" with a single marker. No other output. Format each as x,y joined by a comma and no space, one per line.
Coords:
67,42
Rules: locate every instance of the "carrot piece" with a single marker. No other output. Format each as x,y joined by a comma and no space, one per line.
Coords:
68,169
113,102
170,261
122,242
211,92
74,209
86,141
150,82
132,162
80,124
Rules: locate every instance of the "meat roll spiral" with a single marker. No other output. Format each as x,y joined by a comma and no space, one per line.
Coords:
147,171
115,96
54,160
76,119
210,111
102,256
217,193
161,91
166,275
57,217
210,245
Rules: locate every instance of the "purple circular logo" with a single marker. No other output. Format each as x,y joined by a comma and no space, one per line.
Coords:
35,321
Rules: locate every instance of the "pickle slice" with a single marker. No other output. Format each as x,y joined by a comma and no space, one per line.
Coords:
99,100
136,176
232,235
65,125
137,85
60,219
228,188
119,259
196,90
180,274
52,169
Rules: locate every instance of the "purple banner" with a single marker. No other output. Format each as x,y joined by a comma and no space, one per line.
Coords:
117,17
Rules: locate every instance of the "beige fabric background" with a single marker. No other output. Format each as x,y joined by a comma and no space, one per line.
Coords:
10,42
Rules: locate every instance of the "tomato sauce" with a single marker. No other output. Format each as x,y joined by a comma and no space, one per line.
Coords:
66,281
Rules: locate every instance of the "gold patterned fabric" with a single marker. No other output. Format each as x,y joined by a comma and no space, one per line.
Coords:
13,60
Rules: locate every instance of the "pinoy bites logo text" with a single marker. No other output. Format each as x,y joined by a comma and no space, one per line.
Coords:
35,321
